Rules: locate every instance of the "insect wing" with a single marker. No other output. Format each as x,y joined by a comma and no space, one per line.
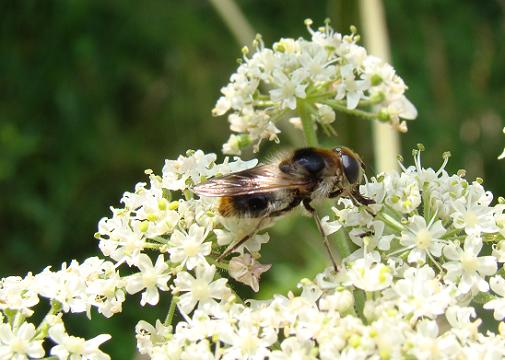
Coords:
260,179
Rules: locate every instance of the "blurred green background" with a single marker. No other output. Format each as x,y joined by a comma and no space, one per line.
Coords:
94,92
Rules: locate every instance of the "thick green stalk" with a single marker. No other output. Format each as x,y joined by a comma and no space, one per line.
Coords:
342,243
359,303
360,114
309,131
304,110
43,327
171,310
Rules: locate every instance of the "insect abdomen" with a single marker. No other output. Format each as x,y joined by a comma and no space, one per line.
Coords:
253,205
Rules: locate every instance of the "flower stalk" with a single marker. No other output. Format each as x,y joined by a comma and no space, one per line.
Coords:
305,112
171,311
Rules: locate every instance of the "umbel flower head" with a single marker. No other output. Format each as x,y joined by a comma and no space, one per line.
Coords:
315,77
424,259
427,256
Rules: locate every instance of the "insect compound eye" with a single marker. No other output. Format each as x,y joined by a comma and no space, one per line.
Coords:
352,167
310,160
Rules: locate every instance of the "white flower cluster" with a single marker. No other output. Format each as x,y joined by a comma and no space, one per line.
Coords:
163,240
429,252
318,76
75,288
322,323
423,216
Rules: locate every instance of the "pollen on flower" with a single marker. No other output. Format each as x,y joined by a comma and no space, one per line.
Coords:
469,262
173,205
355,340
200,290
249,344
384,275
471,219
76,345
424,239
149,279
191,249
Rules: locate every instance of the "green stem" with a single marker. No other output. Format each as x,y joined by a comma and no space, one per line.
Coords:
390,221
160,239
43,328
320,96
342,244
18,320
426,204
335,104
304,110
482,298
264,103
149,245
492,238
451,233
171,310
220,265
237,297
359,303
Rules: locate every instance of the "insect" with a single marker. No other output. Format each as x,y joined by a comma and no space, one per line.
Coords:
273,189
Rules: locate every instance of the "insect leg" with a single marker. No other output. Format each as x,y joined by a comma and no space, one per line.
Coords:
356,196
335,193
233,246
306,204
294,203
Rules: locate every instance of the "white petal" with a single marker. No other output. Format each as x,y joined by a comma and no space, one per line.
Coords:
183,281
6,335
408,111
60,352
499,308
98,340
353,99
134,284
437,229
330,227
502,155
35,349
417,256
218,289
151,296
186,303
428,328
143,262
473,244
487,265
452,252
177,237
197,233
466,282
205,273
26,331
498,285
436,248
385,242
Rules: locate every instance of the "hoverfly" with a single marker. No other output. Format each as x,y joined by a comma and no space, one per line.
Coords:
299,177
